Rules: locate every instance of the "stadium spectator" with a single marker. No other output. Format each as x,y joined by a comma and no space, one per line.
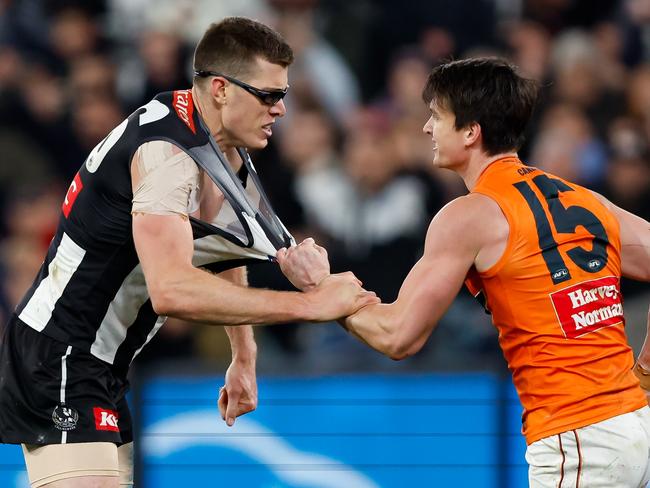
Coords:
567,146
319,71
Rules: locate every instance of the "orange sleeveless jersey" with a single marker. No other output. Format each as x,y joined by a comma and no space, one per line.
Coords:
555,299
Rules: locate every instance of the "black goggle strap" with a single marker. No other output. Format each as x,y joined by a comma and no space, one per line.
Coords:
268,219
224,177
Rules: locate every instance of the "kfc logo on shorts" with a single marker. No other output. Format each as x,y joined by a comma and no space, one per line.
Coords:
106,419
588,306
182,101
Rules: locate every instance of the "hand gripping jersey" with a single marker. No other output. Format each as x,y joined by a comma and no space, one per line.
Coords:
555,299
90,292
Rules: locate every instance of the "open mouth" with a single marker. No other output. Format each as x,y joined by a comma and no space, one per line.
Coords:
267,130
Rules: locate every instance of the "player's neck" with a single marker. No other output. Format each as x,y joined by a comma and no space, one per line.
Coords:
210,115
476,164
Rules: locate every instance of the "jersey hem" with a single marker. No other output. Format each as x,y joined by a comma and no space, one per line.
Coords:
534,437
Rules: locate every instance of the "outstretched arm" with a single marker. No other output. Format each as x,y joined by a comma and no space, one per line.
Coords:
162,179
165,245
455,238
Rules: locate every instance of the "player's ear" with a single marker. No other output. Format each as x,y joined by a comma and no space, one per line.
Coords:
218,89
472,132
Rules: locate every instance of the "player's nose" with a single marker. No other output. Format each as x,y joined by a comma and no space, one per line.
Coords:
279,109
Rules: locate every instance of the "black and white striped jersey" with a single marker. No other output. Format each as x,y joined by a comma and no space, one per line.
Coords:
90,292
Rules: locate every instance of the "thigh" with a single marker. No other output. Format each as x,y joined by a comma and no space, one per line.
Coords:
608,454
52,393
30,386
63,465
546,462
85,482
643,417
614,452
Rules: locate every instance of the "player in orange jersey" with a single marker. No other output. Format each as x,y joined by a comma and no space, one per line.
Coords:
546,256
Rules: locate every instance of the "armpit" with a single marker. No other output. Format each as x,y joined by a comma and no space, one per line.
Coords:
165,180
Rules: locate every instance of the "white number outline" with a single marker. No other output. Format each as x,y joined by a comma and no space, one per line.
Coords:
153,111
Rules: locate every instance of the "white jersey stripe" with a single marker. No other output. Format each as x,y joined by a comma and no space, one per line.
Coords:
121,314
39,308
64,380
64,373
159,323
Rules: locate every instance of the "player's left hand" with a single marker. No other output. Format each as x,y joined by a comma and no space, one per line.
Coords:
305,265
239,395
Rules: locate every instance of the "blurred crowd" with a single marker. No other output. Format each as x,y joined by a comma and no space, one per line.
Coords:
349,164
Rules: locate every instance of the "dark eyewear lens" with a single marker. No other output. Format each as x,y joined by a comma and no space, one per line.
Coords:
267,97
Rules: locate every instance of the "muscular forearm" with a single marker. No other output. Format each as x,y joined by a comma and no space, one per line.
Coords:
379,327
198,296
242,340
401,328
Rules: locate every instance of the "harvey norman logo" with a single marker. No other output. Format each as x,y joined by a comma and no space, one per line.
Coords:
588,306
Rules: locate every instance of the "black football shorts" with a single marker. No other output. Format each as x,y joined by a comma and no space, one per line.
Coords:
53,393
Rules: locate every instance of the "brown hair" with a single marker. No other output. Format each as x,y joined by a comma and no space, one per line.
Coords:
488,91
232,45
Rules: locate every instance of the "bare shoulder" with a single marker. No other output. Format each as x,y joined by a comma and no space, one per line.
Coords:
152,153
474,218
475,210
609,205
168,148
472,226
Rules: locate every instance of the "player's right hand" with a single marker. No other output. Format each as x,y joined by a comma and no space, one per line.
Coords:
337,296
305,265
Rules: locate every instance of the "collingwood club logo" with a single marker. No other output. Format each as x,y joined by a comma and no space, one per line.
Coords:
65,418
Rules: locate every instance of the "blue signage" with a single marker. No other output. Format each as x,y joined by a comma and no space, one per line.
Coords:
356,431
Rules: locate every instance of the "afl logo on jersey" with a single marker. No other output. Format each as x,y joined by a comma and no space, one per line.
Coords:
595,265
65,418
560,273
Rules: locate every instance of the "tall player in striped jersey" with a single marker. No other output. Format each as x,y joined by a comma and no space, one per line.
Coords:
546,257
169,190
